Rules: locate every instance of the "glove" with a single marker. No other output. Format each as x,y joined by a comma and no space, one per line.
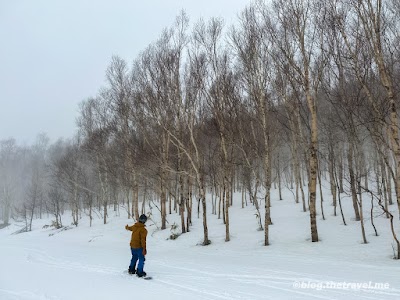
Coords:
126,227
144,252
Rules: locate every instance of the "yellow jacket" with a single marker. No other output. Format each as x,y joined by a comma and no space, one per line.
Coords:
139,234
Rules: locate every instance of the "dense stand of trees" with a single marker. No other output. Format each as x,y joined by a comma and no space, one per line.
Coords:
297,92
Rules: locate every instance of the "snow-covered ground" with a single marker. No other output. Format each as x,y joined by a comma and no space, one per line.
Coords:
90,262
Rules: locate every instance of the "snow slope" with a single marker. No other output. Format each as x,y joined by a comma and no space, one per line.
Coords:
89,262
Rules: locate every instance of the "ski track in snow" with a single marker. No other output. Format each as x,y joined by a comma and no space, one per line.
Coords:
21,295
42,258
277,282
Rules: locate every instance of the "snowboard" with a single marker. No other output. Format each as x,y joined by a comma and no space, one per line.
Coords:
147,277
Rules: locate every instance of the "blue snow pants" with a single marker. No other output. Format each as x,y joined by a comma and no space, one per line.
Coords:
137,254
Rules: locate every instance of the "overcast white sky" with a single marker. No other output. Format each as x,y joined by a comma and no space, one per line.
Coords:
54,53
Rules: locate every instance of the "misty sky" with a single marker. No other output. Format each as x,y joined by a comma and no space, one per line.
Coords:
54,53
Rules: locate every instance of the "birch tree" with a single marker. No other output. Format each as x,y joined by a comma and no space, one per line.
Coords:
292,28
252,48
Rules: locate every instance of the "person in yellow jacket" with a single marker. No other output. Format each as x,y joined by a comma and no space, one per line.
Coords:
138,246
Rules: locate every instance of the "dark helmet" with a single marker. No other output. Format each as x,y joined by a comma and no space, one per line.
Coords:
142,219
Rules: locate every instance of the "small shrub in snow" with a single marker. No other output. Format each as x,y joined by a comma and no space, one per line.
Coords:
174,232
